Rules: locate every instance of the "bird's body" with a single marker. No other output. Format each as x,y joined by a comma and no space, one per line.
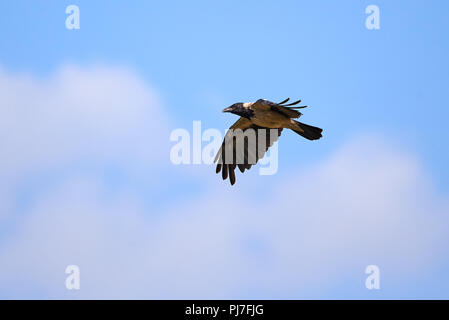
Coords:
269,119
260,116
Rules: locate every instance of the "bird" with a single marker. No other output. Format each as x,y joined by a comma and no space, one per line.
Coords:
267,120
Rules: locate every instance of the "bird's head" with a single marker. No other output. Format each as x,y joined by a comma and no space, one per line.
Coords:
238,109
234,108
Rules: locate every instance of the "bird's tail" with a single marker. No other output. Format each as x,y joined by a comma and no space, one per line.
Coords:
308,132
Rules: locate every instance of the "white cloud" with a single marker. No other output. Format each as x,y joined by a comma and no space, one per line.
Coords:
77,112
368,203
91,115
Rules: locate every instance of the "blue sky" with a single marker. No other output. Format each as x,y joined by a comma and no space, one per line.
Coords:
379,95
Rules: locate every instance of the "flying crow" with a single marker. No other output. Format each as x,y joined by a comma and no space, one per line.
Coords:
259,126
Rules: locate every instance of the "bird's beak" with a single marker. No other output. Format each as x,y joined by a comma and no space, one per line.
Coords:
228,109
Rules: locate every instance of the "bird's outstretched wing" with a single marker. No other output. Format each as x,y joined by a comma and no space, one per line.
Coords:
285,109
251,143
